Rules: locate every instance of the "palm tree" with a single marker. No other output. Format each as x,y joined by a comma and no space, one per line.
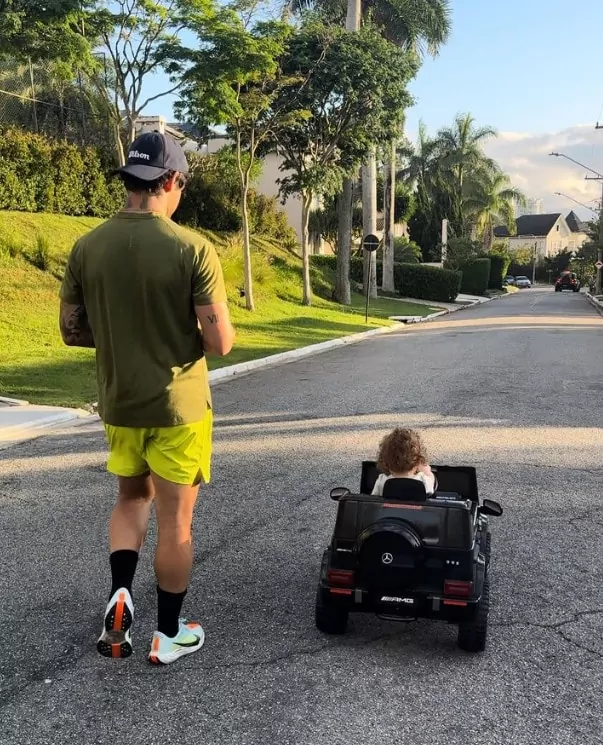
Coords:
416,25
423,171
489,201
462,154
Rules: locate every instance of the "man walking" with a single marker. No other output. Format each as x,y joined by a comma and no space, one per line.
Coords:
149,295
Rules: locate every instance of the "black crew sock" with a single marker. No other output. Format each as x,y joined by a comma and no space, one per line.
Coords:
123,568
169,605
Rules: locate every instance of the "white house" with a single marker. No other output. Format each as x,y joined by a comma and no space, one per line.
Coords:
551,233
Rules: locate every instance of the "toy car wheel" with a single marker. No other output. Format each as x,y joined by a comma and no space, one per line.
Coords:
329,618
472,634
488,548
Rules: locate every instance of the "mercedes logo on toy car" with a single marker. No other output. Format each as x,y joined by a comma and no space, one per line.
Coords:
387,558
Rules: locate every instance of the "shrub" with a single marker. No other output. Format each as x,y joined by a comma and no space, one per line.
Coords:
476,276
427,282
266,219
411,280
460,252
40,257
499,266
10,247
69,170
40,175
406,252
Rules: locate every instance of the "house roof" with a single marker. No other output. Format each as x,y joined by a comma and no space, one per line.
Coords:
537,225
574,223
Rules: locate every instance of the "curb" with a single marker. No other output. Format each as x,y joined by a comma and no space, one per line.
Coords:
231,371
597,304
243,368
13,401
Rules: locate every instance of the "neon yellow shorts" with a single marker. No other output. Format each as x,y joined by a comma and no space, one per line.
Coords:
180,454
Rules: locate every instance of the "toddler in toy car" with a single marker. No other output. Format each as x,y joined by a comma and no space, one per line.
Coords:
402,455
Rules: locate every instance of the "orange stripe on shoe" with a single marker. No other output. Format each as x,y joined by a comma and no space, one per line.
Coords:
154,650
116,650
119,612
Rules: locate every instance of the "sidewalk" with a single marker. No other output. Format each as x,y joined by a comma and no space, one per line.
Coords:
20,420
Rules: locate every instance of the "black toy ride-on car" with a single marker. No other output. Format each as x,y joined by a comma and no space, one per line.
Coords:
405,555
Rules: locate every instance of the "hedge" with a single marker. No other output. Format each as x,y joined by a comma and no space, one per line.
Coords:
411,280
476,276
499,266
42,175
427,282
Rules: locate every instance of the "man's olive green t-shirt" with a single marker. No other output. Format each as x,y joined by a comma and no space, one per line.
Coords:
140,276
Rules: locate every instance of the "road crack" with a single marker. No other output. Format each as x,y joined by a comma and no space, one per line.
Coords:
558,628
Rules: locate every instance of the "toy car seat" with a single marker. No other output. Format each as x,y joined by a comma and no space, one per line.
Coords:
404,490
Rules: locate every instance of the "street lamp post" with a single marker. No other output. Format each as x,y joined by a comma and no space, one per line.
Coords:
597,177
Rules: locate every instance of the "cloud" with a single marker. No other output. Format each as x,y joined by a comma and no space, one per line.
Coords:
525,157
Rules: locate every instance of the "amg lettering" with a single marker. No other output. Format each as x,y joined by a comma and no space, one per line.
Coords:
406,601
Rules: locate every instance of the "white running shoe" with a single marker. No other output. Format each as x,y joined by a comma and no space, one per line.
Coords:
116,639
165,649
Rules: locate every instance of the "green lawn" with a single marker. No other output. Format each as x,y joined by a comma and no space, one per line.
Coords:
35,365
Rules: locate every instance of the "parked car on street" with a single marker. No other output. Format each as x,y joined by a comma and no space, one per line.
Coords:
567,281
509,280
522,282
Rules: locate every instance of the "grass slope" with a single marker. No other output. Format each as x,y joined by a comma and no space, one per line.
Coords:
35,365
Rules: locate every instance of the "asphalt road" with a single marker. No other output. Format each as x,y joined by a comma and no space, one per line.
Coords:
513,387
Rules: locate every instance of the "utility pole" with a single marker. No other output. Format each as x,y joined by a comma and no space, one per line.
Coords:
600,247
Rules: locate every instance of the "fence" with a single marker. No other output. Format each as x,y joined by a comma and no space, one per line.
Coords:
39,99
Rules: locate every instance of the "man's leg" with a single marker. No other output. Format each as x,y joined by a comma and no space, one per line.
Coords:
128,528
179,458
174,556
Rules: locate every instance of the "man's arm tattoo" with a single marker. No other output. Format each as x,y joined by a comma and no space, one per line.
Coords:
75,328
213,318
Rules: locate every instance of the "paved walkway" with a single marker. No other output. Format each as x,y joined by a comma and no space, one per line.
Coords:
20,420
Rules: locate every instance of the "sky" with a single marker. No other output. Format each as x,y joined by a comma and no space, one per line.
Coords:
533,70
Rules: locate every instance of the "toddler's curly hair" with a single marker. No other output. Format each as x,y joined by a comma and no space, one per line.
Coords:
400,451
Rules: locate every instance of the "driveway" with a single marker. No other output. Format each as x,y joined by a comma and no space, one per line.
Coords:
513,386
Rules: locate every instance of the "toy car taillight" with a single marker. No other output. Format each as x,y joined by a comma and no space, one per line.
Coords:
458,588
340,577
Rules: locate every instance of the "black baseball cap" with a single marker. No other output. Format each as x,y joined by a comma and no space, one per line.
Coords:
152,155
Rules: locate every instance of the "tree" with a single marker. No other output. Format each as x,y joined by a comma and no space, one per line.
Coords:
423,172
460,148
49,30
489,201
139,38
417,26
234,79
355,87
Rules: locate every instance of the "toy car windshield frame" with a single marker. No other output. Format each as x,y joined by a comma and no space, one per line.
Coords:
461,480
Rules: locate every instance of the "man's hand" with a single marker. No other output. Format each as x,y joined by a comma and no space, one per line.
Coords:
75,329
218,333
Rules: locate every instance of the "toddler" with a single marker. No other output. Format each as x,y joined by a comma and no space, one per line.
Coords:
402,455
